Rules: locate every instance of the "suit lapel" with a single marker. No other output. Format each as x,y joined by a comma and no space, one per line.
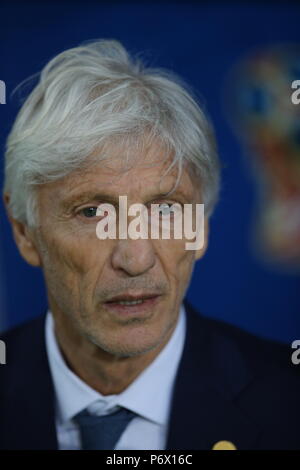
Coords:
203,411
210,376
29,417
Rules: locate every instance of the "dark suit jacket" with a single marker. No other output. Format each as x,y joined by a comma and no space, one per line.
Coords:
230,386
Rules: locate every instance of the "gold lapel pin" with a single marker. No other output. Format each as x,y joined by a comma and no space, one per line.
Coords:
224,445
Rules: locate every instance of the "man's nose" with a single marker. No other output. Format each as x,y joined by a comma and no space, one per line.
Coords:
134,257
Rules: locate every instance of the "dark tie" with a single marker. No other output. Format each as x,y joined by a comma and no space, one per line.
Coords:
102,432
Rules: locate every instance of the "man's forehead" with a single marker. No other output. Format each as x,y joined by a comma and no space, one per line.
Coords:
138,187
140,178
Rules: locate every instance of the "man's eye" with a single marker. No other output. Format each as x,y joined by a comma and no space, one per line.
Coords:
89,212
165,208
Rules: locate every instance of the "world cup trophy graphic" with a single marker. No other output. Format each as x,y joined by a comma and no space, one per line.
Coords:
259,105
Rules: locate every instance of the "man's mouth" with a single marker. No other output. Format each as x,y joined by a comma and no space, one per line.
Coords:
132,303
132,299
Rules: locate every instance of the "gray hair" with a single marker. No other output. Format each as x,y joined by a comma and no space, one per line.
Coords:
95,94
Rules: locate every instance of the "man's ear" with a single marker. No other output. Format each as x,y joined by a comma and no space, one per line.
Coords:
23,237
201,252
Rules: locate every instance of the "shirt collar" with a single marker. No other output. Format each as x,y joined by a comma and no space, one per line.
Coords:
149,395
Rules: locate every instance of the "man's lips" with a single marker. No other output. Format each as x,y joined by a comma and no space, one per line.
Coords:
132,297
133,304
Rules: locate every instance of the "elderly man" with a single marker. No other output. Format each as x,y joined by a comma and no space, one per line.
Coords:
120,361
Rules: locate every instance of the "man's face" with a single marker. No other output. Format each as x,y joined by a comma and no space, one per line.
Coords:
84,274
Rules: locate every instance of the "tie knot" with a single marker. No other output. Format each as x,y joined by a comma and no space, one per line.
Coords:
102,432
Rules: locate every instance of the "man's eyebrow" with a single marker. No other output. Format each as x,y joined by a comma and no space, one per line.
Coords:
105,197
89,196
172,194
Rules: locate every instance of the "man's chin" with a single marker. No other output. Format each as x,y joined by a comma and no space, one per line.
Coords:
125,350
140,340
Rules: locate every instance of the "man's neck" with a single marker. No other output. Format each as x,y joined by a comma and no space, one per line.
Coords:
102,371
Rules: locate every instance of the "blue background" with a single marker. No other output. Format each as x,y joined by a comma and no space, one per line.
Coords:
200,42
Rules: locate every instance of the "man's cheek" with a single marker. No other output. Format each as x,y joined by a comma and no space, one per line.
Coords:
68,252
184,267
81,266
179,255
178,262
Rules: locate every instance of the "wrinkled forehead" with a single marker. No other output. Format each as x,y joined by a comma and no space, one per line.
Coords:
128,171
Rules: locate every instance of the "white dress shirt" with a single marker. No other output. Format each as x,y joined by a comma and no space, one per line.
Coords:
149,395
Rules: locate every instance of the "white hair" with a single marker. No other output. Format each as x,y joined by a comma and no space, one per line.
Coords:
90,96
